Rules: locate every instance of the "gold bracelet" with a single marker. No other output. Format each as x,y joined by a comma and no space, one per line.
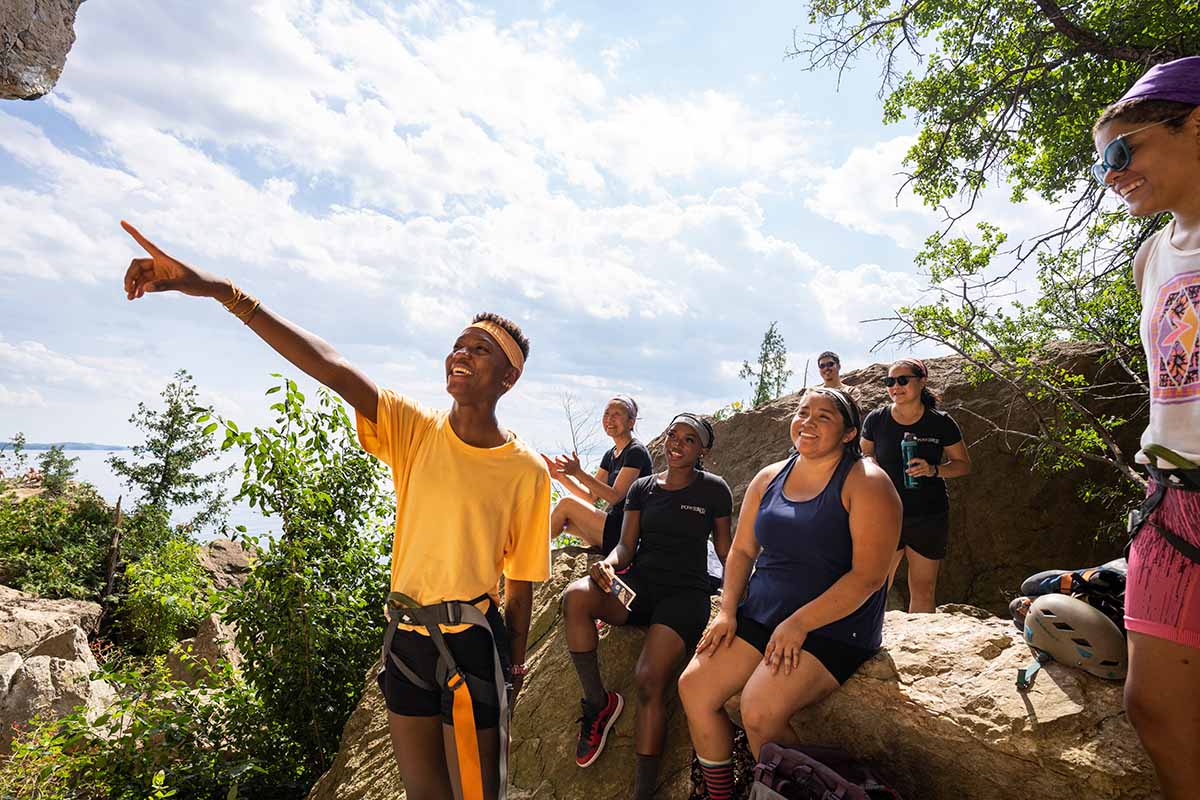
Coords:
241,305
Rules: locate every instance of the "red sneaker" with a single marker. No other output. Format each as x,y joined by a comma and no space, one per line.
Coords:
594,727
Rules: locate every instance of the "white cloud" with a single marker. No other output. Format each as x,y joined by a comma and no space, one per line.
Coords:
616,53
848,297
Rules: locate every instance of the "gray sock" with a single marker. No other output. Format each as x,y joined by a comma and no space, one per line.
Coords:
646,777
588,667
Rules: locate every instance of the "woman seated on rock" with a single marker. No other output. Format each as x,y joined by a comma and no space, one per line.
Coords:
626,461
668,520
819,529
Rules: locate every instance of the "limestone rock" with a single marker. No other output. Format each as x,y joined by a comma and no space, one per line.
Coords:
214,642
937,711
48,686
35,37
226,562
1004,524
26,619
70,644
939,715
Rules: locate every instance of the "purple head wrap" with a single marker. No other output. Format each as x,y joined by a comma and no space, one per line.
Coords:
1177,80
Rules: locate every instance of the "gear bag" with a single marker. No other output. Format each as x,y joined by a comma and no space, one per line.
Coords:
401,608
808,772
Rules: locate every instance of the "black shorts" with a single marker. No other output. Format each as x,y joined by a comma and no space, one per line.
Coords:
612,532
927,535
841,659
683,610
472,649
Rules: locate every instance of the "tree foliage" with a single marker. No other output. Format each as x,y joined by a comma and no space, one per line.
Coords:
1007,92
769,376
57,470
309,616
164,468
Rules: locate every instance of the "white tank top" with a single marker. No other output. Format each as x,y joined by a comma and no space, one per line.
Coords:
1171,337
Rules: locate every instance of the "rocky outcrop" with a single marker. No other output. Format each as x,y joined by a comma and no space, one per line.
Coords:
1007,521
937,711
26,619
45,662
191,659
226,562
51,678
35,37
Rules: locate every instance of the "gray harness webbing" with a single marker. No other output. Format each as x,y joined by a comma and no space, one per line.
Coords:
1185,477
402,609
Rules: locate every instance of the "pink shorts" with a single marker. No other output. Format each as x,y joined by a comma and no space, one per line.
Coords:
1162,593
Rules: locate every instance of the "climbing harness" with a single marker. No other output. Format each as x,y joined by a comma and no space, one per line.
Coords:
402,609
1186,477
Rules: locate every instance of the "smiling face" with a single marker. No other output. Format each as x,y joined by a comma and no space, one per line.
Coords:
683,446
905,394
831,371
818,427
616,420
1165,167
477,369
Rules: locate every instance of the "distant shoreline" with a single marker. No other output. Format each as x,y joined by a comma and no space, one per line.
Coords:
65,446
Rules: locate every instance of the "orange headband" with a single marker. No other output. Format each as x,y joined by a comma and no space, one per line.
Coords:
503,338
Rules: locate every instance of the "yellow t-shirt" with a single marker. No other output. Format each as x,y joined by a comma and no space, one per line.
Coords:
464,514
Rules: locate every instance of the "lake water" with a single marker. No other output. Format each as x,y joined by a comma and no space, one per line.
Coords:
91,468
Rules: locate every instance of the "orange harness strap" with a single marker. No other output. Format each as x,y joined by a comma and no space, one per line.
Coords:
466,739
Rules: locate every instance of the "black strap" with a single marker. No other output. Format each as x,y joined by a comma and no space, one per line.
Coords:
1185,480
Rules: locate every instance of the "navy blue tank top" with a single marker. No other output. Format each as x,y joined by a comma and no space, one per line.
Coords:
806,548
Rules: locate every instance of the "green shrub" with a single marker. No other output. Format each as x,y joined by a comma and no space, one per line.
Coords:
160,739
55,546
57,471
166,594
309,616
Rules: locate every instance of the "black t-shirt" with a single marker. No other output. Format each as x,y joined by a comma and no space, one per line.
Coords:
935,431
675,528
635,454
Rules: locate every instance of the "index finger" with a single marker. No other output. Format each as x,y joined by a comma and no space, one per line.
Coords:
146,244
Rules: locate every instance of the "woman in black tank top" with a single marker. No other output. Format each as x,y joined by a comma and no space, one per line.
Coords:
792,648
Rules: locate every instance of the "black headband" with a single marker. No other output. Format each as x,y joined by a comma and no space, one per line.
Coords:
702,428
842,400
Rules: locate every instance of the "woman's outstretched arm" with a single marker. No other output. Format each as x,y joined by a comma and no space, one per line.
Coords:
306,351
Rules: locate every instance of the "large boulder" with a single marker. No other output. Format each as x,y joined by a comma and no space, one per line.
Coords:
937,711
35,37
939,715
50,679
192,659
1006,521
226,562
26,619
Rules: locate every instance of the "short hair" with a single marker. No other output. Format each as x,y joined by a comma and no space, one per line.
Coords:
1147,110
830,354
513,329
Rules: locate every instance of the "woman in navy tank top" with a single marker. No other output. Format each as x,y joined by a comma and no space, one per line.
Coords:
819,530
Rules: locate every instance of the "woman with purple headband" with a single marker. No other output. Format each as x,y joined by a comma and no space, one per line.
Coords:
625,462
1149,147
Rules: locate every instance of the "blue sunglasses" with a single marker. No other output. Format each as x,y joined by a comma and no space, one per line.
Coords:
1117,153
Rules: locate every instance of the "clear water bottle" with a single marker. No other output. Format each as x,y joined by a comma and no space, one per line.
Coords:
908,451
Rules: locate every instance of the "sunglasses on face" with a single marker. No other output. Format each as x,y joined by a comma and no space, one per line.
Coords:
900,379
827,365
1117,153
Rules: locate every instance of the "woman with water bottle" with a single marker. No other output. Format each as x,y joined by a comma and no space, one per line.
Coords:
919,447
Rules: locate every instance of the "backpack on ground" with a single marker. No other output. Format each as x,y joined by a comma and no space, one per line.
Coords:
808,772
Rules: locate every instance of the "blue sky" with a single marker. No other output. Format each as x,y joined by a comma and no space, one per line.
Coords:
644,187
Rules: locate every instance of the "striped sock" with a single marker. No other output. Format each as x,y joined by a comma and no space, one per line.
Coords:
718,778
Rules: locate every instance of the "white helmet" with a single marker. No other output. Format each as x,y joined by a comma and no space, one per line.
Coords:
1075,634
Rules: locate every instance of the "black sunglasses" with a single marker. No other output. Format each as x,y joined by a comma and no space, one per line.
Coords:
827,364
1117,153
900,379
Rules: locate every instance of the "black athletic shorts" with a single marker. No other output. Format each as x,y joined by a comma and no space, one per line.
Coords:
927,535
472,649
612,532
841,659
684,611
